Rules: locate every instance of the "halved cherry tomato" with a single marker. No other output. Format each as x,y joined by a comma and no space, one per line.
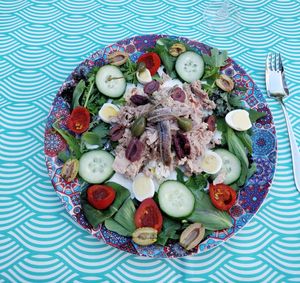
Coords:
222,196
151,60
148,215
79,120
100,196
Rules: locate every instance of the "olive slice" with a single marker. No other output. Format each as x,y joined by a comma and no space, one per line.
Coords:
192,236
144,236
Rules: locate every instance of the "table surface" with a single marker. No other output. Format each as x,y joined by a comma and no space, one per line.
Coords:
40,43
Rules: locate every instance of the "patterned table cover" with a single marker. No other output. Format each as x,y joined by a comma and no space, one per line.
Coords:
40,43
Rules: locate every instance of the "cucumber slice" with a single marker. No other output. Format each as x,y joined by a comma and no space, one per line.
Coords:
189,66
231,165
175,199
95,166
110,81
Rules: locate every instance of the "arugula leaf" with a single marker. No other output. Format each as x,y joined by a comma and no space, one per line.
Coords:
169,230
217,58
98,136
197,182
167,59
120,101
72,142
125,216
207,214
78,91
114,226
255,115
96,216
129,70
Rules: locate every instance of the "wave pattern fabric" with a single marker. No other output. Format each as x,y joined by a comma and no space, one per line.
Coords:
41,42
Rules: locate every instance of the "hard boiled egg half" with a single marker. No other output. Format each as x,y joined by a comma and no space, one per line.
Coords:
108,111
238,120
211,162
143,187
144,76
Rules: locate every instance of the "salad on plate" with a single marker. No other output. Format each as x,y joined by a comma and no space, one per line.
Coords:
161,145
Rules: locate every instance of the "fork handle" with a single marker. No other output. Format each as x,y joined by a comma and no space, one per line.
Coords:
294,148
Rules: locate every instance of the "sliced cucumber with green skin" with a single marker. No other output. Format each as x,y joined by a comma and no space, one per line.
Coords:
95,166
190,66
110,81
231,165
175,199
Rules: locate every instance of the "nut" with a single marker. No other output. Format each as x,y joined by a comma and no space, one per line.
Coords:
70,170
144,236
225,83
176,49
138,126
117,58
192,236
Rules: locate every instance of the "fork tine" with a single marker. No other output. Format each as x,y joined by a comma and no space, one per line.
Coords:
269,61
275,62
280,65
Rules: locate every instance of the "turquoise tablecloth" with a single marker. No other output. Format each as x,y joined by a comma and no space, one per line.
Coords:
40,43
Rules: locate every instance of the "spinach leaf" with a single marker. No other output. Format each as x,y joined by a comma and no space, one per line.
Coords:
216,59
255,115
169,230
236,147
114,226
125,216
78,91
207,214
180,175
63,155
197,182
72,142
246,140
98,136
251,170
96,216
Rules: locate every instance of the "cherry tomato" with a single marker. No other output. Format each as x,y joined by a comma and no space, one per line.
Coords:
222,196
151,60
148,215
100,196
79,120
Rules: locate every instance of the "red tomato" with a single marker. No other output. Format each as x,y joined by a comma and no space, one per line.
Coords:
100,196
222,196
151,60
79,120
148,215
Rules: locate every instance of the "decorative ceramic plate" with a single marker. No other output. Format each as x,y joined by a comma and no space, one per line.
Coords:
250,197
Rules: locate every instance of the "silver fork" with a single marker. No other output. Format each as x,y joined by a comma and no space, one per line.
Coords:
276,87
